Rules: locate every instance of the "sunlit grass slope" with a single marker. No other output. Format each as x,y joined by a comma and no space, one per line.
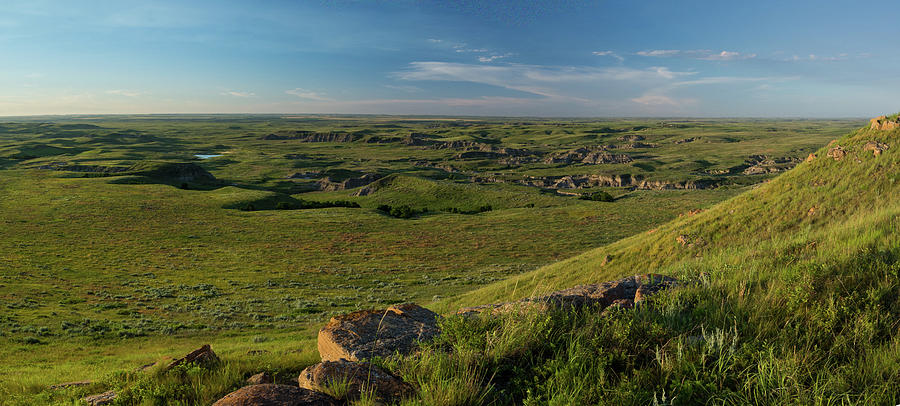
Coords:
791,295
823,210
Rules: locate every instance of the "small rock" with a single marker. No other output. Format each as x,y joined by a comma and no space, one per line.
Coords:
104,398
275,395
367,333
359,377
876,147
260,378
811,157
257,352
837,153
71,384
203,356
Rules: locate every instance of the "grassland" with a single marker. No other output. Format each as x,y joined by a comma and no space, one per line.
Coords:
105,271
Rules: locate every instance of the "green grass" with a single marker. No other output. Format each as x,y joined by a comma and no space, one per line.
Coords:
97,273
785,305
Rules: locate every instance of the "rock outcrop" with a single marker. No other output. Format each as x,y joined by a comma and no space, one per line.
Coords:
329,185
594,156
313,136
624,180
275,395
622,292
762,164
883,123
360,378
364,334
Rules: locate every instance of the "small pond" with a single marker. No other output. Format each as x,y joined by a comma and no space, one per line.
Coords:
206,156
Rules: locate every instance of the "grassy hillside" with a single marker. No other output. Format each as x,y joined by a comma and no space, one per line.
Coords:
823,210
793,297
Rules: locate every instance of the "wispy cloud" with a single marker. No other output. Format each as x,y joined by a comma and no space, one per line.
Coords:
126,93
307,94
561,84
659,52
238,94
609,54
463,48
824,58
492,58
703,54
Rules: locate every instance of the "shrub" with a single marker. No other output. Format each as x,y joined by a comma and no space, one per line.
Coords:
598,196
403,212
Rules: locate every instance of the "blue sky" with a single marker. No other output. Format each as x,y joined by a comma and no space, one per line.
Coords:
523,58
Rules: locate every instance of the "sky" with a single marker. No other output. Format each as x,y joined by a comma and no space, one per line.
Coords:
607,58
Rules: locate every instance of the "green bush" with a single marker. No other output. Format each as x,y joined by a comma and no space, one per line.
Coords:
598,196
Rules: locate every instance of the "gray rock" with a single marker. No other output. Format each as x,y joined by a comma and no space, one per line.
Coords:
367,333
104,398
260,378
275,395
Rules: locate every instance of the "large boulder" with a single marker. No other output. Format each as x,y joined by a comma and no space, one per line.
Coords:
203,356
624,292
368,333
360,377
275,395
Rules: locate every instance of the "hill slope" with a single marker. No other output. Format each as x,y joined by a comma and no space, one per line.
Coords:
825,209
791,295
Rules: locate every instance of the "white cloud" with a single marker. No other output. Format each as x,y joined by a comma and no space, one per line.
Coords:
463,48
609,54
126,93
703,54
238,94
307,94
728,56
820,58
660,52
492,58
